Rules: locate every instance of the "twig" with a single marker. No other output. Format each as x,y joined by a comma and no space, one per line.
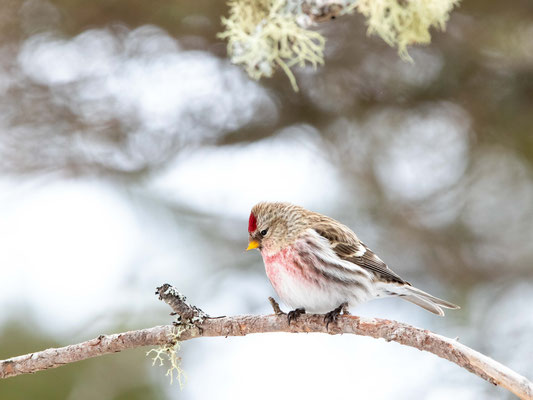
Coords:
178,302
328,9
408,335
275,306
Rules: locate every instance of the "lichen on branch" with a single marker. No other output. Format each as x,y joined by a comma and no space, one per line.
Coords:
169,352
264,35
401,23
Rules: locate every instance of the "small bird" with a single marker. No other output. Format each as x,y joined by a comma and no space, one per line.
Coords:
316,264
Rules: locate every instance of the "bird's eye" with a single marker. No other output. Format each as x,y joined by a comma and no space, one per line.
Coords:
264,232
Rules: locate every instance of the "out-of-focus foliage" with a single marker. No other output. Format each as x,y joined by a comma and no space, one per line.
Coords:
431,163
106,377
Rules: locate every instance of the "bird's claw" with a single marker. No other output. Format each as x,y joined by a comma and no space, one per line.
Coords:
333,315
295,314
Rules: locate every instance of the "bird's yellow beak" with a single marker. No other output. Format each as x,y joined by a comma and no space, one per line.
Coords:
254,244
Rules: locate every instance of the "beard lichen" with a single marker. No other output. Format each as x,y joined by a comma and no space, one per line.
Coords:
169,353
265,34
405,22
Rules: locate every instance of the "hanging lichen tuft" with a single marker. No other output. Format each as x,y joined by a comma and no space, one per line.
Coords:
405,22
265,34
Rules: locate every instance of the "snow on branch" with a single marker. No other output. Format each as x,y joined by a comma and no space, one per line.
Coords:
195,323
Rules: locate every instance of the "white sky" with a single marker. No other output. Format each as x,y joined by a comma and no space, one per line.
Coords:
289,167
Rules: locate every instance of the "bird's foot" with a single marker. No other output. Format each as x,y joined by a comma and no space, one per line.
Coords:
295,314
333,315
345,309
275,306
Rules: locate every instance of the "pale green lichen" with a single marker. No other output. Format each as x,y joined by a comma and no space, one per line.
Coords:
265,34
169,352
405,22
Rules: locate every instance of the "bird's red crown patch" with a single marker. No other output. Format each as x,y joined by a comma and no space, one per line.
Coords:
252,223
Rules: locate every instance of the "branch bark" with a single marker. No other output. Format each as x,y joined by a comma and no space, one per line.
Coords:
405,334
328,9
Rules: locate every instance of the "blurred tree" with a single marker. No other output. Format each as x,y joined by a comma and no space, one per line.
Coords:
435,158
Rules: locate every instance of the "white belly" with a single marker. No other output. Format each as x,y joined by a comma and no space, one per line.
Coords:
298,293
300,286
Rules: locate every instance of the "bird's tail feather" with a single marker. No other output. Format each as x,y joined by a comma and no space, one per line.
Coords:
425,304
425,300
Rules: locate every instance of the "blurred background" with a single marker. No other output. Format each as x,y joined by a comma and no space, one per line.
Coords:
131,152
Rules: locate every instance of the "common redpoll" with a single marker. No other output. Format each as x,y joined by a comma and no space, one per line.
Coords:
317,264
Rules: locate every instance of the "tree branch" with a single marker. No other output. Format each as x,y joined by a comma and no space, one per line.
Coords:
326,10
405,334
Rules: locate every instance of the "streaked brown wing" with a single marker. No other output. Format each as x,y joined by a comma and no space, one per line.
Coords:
355,251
